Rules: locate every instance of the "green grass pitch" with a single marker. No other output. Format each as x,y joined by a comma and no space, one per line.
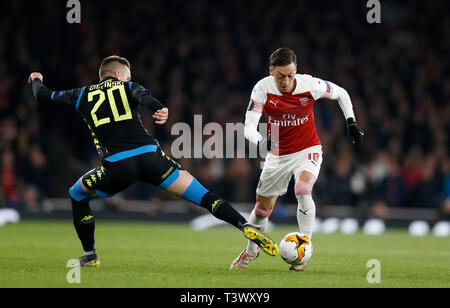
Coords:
163,255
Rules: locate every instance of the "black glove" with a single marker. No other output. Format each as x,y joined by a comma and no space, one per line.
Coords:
354,131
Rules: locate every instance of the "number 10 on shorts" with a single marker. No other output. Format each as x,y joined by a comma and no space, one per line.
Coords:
314,157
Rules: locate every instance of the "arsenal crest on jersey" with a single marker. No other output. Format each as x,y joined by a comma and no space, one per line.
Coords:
304,101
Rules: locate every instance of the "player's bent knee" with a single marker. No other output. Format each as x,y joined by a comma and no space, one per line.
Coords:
303,188
77,192
260,213
170,180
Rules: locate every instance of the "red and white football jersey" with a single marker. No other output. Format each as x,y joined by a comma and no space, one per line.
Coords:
292,113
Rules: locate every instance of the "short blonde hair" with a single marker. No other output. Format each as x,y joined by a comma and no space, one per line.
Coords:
110,64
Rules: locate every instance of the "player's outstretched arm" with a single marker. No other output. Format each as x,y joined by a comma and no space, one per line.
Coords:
41,93
44,95
335,92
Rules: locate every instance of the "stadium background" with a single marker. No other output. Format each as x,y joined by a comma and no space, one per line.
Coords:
204,57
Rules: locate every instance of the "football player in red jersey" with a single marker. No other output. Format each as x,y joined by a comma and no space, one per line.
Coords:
287,99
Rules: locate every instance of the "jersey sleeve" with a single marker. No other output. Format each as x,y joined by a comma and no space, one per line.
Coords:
144,97
258,98
259,93
320,88
66,97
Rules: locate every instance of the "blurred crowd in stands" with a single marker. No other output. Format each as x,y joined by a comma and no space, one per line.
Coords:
204,57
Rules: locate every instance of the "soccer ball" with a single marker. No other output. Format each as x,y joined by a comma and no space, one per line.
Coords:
296,248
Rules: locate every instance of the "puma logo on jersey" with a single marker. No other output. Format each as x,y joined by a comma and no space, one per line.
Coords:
273,103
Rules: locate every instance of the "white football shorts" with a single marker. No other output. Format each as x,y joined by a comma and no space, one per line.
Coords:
278,170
